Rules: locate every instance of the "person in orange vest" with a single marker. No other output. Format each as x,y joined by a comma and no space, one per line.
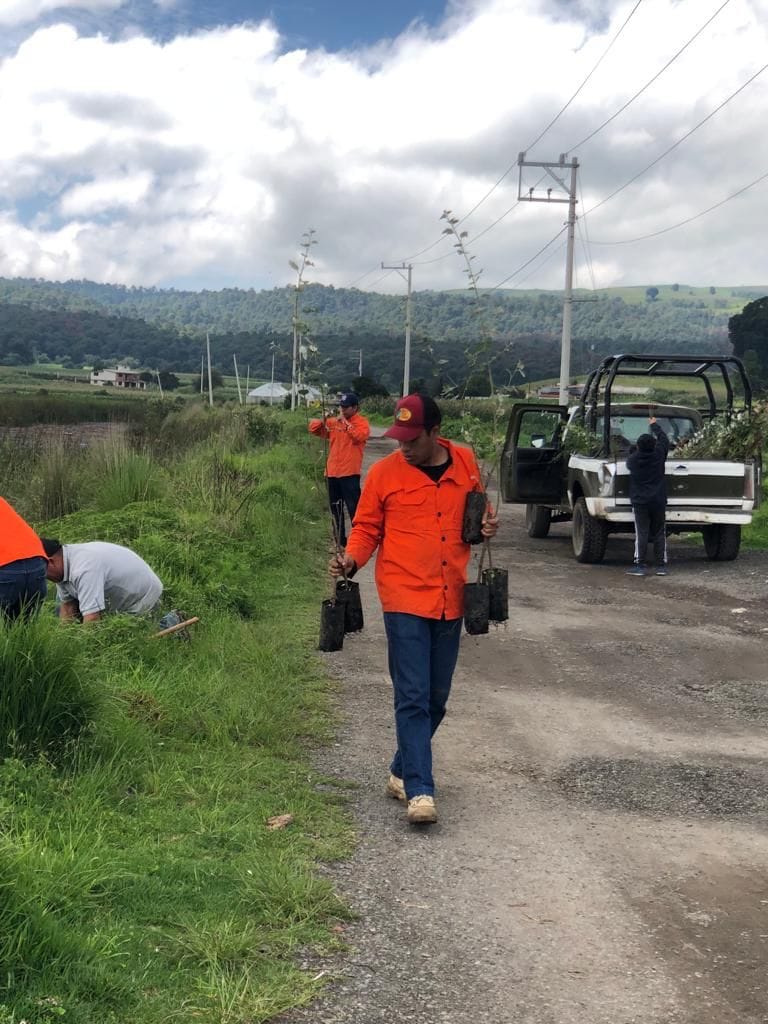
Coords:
346,434
411,510
23,564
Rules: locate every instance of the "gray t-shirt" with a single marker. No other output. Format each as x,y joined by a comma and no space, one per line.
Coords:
107,577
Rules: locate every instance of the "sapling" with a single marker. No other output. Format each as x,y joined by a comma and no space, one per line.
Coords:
487,452
307,241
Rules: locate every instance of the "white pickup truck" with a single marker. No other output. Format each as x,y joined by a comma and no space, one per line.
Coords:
571,465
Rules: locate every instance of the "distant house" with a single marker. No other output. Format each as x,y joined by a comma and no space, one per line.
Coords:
118,377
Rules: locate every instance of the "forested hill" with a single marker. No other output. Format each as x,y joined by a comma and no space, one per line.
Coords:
83,322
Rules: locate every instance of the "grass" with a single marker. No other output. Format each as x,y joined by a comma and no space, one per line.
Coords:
139,880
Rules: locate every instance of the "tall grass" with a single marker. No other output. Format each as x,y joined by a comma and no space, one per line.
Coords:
27,410
45,702
121,476
144,770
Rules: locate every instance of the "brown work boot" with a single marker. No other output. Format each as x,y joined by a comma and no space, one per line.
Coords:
422,810
395,788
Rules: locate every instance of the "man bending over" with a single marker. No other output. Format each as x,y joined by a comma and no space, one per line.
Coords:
97,577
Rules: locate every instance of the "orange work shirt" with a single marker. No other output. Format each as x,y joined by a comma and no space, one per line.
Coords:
347,439
17,538
416,525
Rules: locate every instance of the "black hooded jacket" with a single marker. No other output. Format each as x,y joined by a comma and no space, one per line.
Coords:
647,483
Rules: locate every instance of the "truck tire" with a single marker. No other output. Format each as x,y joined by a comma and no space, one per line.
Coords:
589,535
538,519
722,542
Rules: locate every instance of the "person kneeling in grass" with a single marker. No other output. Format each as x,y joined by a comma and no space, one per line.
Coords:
96,577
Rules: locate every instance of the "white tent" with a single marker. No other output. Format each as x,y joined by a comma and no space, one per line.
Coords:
273,394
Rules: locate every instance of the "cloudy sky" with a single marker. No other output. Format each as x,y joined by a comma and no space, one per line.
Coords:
191,143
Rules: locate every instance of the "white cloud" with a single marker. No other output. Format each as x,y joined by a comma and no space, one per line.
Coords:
207,157
19,12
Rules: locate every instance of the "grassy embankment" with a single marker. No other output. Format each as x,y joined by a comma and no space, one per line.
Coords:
139,879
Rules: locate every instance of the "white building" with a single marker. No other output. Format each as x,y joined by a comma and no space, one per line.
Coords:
118,377
271,394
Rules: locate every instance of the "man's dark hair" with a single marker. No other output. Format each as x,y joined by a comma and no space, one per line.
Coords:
646,443
432,415
50,546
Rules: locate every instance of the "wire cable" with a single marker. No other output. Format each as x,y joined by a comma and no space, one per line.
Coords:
557,116
679,142
688,220
534,257
362,277
648,84
563,109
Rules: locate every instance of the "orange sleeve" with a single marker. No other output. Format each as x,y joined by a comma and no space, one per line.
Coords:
318,428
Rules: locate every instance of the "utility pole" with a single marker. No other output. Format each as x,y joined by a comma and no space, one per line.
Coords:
570,197
210,378
359,361
202,373
237,378
407,360
272,379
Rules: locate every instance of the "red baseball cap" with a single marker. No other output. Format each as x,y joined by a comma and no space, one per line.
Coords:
409,419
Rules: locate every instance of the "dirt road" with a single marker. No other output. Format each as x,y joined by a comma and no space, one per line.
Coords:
602,851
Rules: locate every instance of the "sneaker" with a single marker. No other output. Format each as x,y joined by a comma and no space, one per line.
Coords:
636,570
395,788
661,570
422,810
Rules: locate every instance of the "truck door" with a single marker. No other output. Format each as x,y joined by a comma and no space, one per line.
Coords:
532,470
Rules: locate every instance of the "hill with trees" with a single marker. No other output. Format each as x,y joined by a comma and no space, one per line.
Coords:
83,322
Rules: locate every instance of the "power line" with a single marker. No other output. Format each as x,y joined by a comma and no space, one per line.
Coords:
647,85
563,229
547,258
594,69
688,220
363,276
557,116
592,134
679,142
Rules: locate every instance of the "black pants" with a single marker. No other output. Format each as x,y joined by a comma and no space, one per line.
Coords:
343,490
650,526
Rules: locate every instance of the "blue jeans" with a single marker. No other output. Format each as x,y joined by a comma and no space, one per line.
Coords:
23,587
422,656
343,490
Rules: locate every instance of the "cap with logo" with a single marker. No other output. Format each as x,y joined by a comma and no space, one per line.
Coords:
409,419
347,399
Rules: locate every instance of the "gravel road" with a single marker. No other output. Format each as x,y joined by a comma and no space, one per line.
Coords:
602,851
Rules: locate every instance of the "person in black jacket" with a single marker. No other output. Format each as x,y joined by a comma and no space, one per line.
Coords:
648,494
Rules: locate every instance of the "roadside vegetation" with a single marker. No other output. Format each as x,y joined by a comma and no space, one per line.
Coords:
140,879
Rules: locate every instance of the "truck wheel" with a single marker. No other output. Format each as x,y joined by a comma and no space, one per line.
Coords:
722,542
538,519
711,535
589,535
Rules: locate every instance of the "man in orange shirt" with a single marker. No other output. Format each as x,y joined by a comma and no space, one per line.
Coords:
23,563
411,509
347,434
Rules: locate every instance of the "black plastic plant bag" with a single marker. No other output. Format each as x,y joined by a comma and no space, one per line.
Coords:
331,626
348,594
497,581
476,608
